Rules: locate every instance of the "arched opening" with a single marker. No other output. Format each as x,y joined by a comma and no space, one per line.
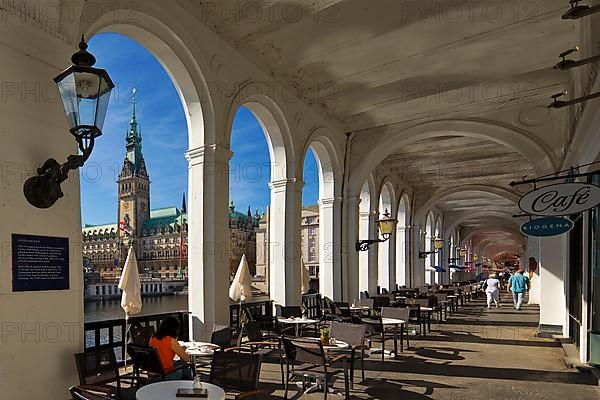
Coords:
138,168
249,199
281,252
402,238
439,261
385,270
321,214
430,260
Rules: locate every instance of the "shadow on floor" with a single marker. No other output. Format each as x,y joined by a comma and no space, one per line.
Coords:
413,365
385,389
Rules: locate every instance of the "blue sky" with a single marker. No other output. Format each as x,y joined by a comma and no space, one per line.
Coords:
164,132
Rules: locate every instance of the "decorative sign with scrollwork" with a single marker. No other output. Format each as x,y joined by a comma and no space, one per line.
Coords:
561,199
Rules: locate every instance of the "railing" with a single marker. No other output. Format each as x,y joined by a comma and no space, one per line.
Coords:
109,333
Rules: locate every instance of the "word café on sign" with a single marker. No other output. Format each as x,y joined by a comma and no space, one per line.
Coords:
561,199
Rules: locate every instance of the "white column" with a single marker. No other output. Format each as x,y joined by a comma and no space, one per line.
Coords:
418,264
351,272
284,241
208,235
383,266
373,254
392,262
364,232
533,250
330,274
553,311
401,258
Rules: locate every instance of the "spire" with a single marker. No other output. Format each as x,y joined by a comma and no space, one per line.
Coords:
183,205
133,140
231,207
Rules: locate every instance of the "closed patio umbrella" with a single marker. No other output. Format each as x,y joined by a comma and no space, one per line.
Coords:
305,277
240,289
131,295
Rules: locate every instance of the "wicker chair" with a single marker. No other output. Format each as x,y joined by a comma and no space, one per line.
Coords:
146,361
306,358
354,335
83,393
236,372
98,369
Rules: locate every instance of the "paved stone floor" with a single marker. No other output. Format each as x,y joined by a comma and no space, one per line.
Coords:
476,354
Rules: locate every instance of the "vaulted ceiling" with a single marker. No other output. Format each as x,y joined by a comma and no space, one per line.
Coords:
382,63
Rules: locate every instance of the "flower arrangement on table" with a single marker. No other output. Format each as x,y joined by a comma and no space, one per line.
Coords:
325,336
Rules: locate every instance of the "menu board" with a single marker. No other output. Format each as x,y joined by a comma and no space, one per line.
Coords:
40,263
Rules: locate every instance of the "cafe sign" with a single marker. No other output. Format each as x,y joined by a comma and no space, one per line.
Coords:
547,226
561,199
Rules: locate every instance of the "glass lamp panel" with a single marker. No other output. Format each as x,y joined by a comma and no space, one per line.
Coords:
386,226
68,95
438,243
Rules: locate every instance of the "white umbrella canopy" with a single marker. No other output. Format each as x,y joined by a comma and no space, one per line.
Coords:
131,296
240,289
305,277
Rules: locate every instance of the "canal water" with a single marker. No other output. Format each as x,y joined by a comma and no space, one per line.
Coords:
111,309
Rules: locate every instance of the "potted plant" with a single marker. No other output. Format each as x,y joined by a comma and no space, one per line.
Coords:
325,336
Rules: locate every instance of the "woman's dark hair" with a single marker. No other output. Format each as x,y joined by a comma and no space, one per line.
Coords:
168,327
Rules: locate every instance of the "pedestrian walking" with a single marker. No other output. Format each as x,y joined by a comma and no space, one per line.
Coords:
492,290
518,284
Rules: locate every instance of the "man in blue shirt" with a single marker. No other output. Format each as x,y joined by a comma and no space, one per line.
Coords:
518,284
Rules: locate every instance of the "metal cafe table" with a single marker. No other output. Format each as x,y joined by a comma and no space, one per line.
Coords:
167,390
297,322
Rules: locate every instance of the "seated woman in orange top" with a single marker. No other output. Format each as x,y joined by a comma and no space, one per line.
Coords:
165,342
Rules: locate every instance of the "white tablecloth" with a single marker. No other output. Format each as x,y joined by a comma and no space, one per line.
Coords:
168,389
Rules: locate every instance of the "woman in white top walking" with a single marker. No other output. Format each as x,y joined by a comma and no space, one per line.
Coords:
492,290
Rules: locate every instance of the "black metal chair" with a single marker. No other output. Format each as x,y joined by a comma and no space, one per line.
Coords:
99,369
237,373
141,334
268,348
354,335
146,361
223,338
306,358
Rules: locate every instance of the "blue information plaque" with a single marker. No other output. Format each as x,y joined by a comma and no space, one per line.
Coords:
40,263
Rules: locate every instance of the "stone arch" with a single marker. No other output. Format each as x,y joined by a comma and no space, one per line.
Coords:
439,195
275,128
532,148
172,50
475,232
463,218
330,213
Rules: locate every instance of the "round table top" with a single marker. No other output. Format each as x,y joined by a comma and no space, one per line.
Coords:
167,390
297,321
358,308
426,309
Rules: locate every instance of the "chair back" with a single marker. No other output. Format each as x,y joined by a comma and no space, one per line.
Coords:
402,313
141,334
309,351
78,393
441,297
145,358
253,331
98,367
222,338
288,311
312,306
353,334
422,302
380,301
342,309
384,291
235,370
